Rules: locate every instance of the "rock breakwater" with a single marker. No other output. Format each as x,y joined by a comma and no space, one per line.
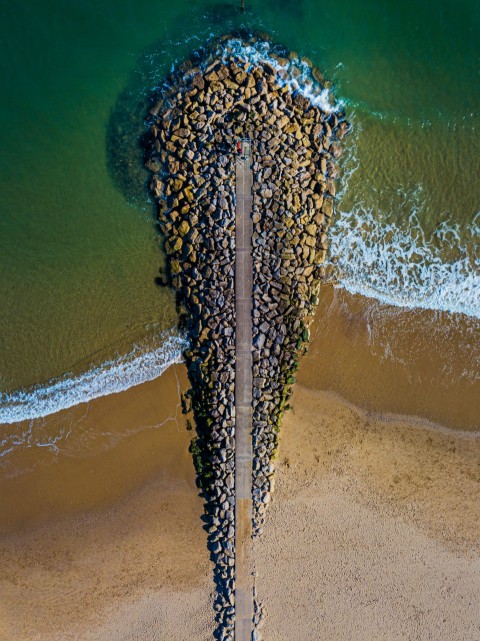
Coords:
219,97
294,190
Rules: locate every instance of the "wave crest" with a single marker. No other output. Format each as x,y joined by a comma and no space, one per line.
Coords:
296,74
400,266
111,377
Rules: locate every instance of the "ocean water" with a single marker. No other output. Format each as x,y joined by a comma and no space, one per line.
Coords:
79,251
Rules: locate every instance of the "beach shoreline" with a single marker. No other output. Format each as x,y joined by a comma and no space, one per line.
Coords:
374,538
145,422
132,567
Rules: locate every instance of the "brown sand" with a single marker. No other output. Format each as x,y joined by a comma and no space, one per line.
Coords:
373,534
138,570
125,568
387,359
115,444
374,530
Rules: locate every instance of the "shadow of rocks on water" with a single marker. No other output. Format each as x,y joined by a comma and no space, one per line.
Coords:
200,265
126,128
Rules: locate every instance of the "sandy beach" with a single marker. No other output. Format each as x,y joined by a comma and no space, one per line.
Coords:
372,534
373,531
239,252
112,536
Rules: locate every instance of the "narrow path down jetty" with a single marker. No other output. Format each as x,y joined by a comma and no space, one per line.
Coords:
243,396
246,239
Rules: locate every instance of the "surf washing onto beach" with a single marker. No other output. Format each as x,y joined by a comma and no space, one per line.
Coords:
396,267
395,263
118,459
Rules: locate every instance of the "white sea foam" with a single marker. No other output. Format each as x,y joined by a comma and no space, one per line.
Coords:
401,266
296,74
399,263
111,377
396,265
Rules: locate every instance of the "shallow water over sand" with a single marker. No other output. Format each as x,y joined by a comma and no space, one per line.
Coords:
79,252
387,359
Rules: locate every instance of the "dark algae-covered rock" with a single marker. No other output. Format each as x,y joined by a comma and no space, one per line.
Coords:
234,90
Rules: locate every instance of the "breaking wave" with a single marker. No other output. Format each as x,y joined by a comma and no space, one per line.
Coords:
399,265
113,376
395,264
294,73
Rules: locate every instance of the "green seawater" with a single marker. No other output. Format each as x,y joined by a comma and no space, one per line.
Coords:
79,251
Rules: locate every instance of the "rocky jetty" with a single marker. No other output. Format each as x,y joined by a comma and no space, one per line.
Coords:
294,190
238,90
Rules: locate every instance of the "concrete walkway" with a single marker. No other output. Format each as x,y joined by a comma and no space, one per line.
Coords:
243,399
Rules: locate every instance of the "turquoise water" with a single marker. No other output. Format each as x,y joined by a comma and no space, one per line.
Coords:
79,250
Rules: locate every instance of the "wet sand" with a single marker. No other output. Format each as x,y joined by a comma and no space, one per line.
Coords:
137,570
373,532
109,544
386,359
102,452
